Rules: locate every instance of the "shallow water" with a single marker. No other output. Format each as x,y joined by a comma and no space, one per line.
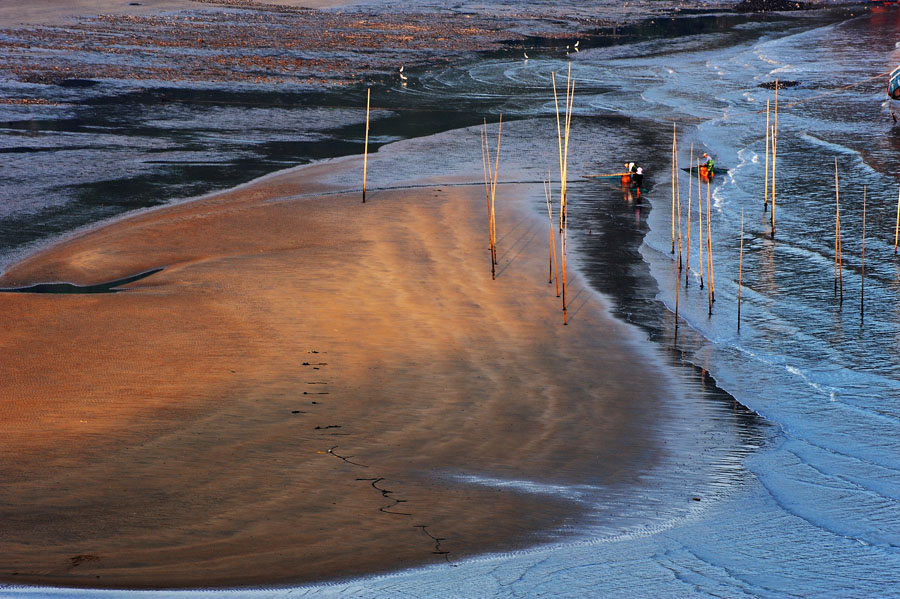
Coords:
805,500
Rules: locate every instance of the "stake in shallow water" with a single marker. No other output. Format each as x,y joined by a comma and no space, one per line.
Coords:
774,156
366,146
709,277
678,202
740,272
673,188
766,185
563,172
838,250
687,262
700,218
862,281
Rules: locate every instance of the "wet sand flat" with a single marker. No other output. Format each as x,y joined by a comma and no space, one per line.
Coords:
307,390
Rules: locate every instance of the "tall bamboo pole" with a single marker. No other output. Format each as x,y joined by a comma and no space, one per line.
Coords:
774,156
709,252
687,264
678,202
563,243
488,185
672,155
838,250
740,272
862,281
709,283
700,218
570,100
493,197
766,186
559,138
366,146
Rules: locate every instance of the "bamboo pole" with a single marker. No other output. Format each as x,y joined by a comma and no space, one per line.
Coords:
862,281
766,187
678,202
485,163
677,295
553,261
838,249
570,100
559,143
366,146
563,241
774,156
687,266
700,218
488,184
493,198
672,156
897,228
740,272
709,283
709,252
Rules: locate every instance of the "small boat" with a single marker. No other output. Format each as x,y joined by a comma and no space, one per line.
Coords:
893,90
716,169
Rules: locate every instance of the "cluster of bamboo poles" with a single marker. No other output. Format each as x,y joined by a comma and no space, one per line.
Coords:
563,127
490,189
708,265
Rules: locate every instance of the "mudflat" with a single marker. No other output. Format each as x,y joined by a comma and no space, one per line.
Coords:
311,388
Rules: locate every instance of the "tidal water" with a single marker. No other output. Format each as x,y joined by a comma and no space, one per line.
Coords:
791,490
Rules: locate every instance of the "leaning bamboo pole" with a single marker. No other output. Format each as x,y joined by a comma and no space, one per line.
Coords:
740,272
366,146
687,263
570,100
488,177
709,278
774,156
766,186
700,220
838,253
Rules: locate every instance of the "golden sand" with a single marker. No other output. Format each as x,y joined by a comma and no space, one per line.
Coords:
295,395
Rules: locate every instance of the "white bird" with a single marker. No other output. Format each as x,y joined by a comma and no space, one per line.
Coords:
577,42
401,68
402,76
576,46
526,55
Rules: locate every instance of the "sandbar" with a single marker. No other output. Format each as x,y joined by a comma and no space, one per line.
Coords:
312,388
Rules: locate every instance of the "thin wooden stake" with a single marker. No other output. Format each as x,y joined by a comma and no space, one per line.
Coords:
687,265
493,197
366,146
766,188
709,252
709,283
700,217
862,281
673,188
838,249
897,228
678,202
774,156
740,272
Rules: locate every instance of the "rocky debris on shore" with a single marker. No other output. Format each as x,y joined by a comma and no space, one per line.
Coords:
772,5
